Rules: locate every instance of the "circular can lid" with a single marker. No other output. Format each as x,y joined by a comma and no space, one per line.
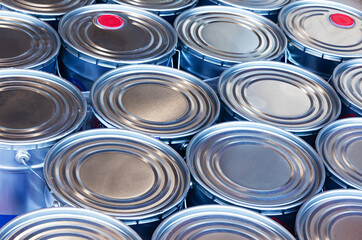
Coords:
121,173
219,222
160,101
37,108
333,215
45,9
227,35
324,29
67,223
279,94
26,42
256,166
347,80
113,35
340,146
168,7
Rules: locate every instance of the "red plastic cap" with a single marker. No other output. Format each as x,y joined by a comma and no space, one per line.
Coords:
110,21
342,20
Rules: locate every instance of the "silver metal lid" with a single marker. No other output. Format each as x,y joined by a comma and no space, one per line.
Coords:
45,9
112,35
340,146
67,224
279,94
256,166
121,173
324,29
227,35
160,101
331,215
162,8
214,222
37,108
347,80
26,42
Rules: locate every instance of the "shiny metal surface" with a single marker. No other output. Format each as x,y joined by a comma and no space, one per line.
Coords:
215,222
67,224
27,42
254,165
128,175
160,101
347,80
316,42
279,94
331,215
213,38
340,146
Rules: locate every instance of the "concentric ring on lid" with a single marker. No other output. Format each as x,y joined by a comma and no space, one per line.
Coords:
333,215
279,94
219,222
339,144
156,100
142,38
256,6
347,80
26,42
310,26
67,223
255,165
125,174
227,35
37,108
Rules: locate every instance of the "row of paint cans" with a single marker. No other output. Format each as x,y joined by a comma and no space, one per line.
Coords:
37,109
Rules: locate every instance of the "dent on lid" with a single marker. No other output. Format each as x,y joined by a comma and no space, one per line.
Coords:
44,7
255,165
159,6
279,94
37,107
26,42
155,100
331,215
347,80
340,146
142,37
214,222
64,223
228,35
329,30
258,6
121,173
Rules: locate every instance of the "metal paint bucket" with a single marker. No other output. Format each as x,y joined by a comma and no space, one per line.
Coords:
219,222
37,109
67,223
27,42
49,11
213,38
255,166
124,174
168,10
160,101
347,80
278,94
331,215
102,37
267,8
321,34
340,146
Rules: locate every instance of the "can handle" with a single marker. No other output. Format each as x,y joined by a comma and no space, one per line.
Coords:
23,157
178,54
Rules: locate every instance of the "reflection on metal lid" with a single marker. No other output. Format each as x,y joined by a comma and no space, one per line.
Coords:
124,174
261,6
256,166
227,35
66,223
219,222
331,215
156,100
